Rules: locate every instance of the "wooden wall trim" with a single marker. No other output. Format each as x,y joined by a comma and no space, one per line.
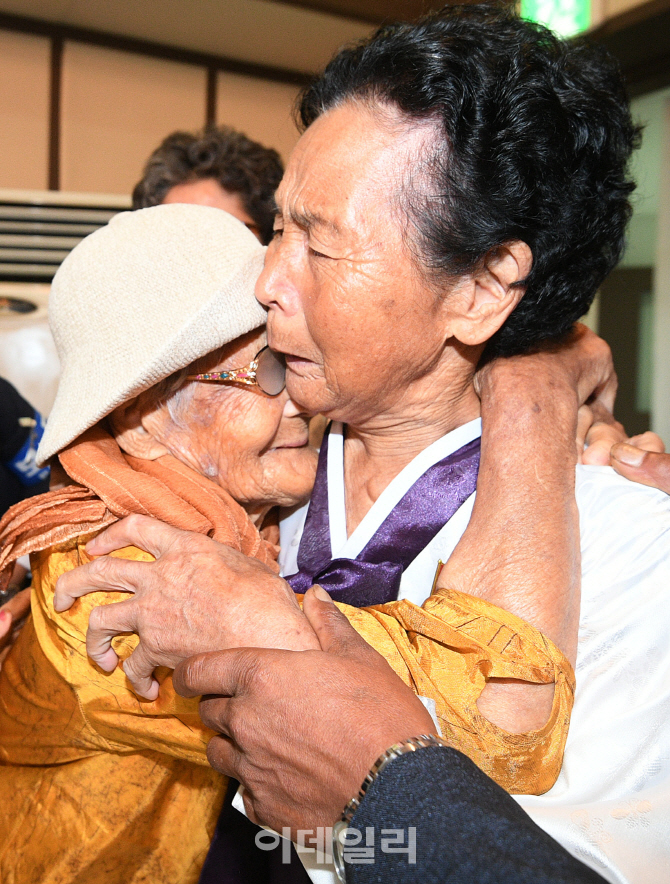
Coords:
377,12
210,100
53,30
56,79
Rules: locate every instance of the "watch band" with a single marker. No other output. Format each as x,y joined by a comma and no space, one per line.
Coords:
424,741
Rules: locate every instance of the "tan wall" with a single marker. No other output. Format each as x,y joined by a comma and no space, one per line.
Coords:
601,10
24,110
615,7
116,107
259,108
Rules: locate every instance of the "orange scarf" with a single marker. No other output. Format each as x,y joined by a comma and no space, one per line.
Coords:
109,485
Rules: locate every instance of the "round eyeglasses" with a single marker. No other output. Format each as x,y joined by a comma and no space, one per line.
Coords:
267,370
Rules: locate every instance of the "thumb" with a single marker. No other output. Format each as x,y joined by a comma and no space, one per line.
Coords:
645,467
336,635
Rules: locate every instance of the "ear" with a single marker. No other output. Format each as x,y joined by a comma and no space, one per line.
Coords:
128,427
490,295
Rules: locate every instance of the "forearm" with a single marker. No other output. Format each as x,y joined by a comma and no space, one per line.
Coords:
521,548
465,826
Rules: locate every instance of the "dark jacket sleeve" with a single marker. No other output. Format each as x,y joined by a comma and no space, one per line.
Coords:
468,830
18,442
12,407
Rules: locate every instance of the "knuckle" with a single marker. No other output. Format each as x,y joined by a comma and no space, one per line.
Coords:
212,753
192,672
100,567
134,522
136,669
210,713
219,755
67,578
236,725
254,675
97,618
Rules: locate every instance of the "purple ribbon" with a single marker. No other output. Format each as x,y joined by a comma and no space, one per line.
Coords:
373,577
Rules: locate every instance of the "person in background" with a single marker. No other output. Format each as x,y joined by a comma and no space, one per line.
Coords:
217,167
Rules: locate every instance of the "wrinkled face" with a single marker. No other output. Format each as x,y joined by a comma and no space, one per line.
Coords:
347,303
253,445
208,192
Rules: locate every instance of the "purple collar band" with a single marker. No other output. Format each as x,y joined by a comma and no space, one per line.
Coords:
374,576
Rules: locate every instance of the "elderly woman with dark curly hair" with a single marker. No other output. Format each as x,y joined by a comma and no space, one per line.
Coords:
460,191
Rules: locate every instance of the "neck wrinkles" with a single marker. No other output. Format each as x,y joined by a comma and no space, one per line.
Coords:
377,450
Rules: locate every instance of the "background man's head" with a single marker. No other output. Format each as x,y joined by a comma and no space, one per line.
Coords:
469,137
218,167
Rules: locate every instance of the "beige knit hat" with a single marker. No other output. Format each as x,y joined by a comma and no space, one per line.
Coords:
141,298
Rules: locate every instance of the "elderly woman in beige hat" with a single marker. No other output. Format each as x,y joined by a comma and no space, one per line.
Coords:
170,404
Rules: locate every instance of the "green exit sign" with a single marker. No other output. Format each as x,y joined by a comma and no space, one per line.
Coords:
565,17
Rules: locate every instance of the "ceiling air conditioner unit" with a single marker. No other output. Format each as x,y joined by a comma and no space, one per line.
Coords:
38,229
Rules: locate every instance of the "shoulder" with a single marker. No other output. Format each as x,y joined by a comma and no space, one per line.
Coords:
625,534
612,506
601,488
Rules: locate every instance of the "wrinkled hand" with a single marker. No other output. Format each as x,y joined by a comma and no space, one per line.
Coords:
598,431
642,464
301,731
197,596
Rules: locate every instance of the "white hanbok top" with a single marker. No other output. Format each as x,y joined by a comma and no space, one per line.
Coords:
611,804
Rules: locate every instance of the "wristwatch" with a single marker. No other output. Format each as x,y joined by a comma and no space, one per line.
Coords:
424,741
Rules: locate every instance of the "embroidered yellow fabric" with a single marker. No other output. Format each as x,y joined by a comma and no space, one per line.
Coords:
447,649
97,786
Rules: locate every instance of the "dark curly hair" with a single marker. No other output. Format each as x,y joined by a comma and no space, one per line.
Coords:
239,164
535,137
